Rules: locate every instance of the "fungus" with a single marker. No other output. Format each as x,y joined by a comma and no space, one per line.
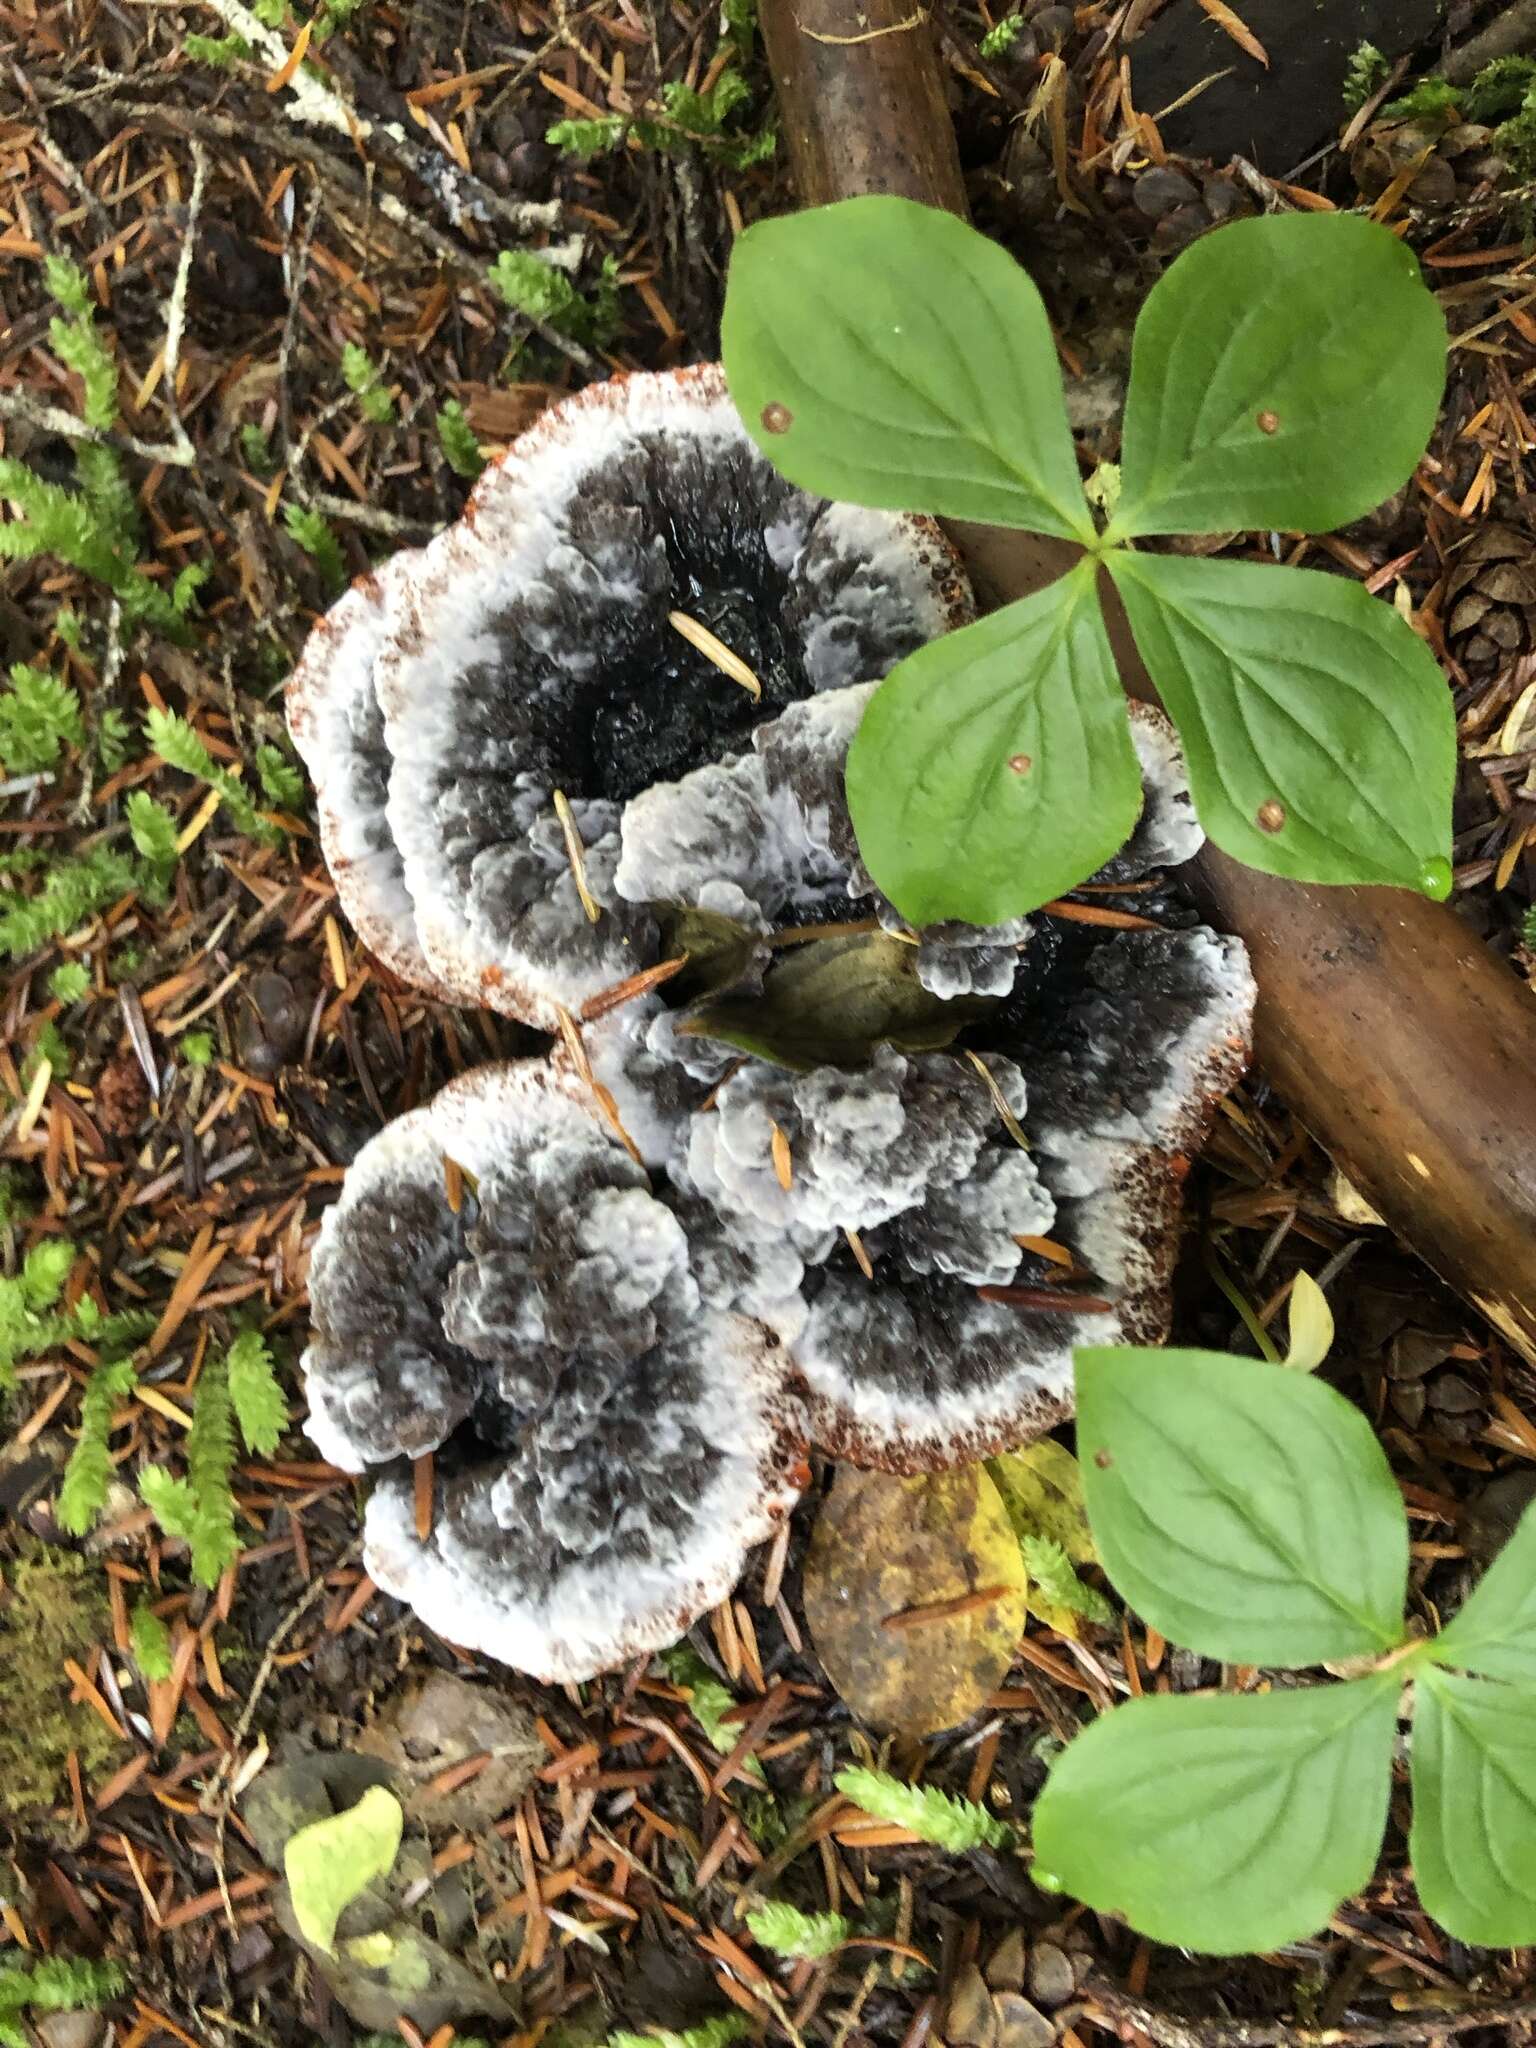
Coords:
384,1379
338,728
792,1172
537,647
612,1433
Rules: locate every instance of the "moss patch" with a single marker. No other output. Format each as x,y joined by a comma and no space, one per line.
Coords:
53,1608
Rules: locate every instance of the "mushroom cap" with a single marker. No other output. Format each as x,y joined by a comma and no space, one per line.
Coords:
920,1372
698,1463
338,728
612,1431
529,649
1127,1038
383,1378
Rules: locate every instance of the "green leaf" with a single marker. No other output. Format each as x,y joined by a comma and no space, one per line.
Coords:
1056,1593
1042,1491
1495,1631
536,288
1285,371
39,716
331,1862
151,1642
171,1502
66,283
790,1932
832,1001
73,891
281,782
88,1474
1223,1823
179,743
44,1271
1318,728
993,770
1310,1325
153,831
885,353
583,139
210,1466
1474,1808
220,51
939,1817
1247,1512
260,1408
719,949
457,437
1001,36
69,981
1368,69
711,2033
319,542
709,1702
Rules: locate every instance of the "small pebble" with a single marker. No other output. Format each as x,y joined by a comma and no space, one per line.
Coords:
529,165
1488,1519
1416,1352
1005,1966
1052,1979
250,1951
271,1025
1052,26
1408,1401
71,2029
1160,190
1220,197
1181,226
1453,1395
1022,2025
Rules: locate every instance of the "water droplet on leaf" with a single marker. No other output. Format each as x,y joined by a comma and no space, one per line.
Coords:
1435,878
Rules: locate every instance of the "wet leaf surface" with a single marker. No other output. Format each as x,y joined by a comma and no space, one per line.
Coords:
830,1003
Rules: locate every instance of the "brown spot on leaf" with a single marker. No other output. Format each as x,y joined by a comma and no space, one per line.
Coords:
1103,1460
1020,763
776,418
1271,815
1269,423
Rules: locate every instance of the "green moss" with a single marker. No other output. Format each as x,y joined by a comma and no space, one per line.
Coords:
55,1607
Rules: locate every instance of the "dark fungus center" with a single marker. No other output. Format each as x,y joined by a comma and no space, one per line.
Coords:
672,708
650,706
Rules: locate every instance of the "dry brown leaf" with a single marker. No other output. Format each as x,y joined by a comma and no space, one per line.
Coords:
1239,31
286,71
783,1160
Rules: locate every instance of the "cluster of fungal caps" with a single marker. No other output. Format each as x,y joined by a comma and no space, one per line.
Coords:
791,1175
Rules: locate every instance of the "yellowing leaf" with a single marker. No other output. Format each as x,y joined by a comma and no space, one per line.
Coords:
1042,1490
329,1863
1311,1325
373,1951
915,1595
